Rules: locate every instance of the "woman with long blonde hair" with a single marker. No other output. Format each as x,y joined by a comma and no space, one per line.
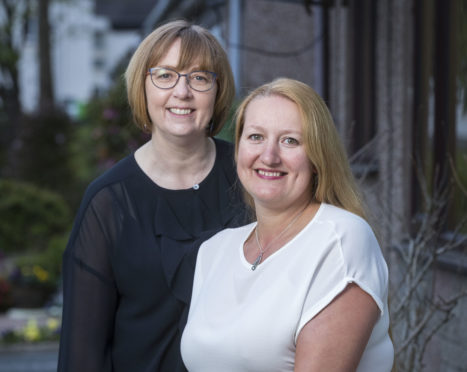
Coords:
305,287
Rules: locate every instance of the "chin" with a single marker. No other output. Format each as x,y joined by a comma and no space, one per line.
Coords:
268,200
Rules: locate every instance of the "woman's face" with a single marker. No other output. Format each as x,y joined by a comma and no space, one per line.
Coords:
272,163
178,111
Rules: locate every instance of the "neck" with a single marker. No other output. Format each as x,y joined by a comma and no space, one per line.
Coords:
177,165
272,224
182,154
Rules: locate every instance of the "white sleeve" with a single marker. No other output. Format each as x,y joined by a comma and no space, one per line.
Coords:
352,255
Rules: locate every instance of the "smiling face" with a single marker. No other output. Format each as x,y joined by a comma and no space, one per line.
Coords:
178,111
272,163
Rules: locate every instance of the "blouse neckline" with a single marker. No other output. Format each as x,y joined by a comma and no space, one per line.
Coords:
192,188
284,248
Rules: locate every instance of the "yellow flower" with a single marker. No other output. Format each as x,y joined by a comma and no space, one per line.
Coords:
40,273
31,331
53,324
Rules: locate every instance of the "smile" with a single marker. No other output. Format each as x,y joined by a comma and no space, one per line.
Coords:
265,173
179,111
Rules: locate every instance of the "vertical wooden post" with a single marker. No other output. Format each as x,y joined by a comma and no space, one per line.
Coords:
422,71
445,72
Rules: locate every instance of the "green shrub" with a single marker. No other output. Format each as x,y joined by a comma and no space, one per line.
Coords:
33,278
30,217
43,268
33,332
106,132
42,155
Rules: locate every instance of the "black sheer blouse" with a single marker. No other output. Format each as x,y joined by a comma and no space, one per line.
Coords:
129,265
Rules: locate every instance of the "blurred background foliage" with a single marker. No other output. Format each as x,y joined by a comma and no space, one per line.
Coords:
105,132
30,216
48,163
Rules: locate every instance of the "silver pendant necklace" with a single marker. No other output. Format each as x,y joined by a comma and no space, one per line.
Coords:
263,250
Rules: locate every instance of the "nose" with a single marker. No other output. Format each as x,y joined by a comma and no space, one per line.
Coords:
271,154
182,89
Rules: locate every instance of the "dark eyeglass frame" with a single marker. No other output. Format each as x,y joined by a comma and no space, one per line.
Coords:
187,76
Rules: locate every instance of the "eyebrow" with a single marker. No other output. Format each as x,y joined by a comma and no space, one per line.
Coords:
260,127
194,68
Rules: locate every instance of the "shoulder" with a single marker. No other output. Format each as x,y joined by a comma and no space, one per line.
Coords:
224,241
225,169
228,235
225,152
346,225
101,191
342,218
117,173
224,146
354,238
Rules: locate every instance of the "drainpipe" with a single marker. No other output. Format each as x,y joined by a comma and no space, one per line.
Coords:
235,10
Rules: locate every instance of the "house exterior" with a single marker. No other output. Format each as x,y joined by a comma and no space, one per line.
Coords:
86,49
386,70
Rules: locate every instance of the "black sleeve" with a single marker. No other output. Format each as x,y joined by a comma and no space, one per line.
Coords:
89,292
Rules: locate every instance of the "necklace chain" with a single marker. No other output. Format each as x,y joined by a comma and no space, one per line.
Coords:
263,250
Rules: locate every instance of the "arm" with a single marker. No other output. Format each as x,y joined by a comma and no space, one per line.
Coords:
334,340
90,296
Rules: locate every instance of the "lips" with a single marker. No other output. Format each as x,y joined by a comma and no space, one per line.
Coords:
180,111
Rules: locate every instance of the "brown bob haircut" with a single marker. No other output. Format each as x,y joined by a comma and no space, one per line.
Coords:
198,46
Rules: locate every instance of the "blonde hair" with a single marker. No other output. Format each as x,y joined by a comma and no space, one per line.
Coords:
333,181
199,46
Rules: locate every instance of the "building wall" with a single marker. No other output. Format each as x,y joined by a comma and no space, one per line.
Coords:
279,40
394,103
278,26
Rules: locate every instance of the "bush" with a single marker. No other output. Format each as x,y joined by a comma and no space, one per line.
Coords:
43,268
30,217
106,132
42,153
33,278
33,332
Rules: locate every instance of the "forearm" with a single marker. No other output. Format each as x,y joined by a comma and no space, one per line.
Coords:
87,322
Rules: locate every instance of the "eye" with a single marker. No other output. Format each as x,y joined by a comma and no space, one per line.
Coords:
255,137
199,76
290,141
164,75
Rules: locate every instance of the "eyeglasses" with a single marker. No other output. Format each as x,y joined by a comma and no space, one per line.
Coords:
166,78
